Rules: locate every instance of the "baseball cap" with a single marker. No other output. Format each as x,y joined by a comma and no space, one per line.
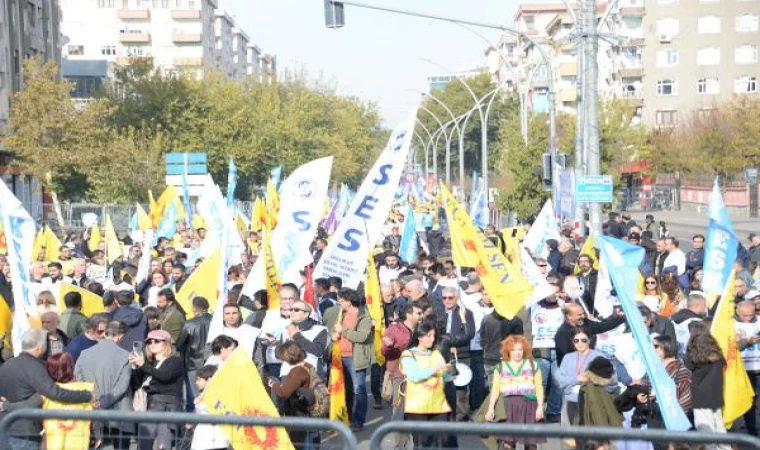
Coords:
159,335
751,294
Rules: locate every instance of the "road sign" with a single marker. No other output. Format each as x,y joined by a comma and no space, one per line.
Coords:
196,171
594,189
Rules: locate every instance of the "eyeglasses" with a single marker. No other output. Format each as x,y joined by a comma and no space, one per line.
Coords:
153,341
651,282
298,310
583,340
448,297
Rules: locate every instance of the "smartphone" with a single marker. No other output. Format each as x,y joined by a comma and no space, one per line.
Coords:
137,348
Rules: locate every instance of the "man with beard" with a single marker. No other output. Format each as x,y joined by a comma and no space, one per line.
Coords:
575,317
390,270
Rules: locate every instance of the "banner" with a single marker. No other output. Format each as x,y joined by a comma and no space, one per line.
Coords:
302,197
721,245
237,389
543,228
201,283
95,238
67,434
337,384
272,204
18,226
271,274
738,394
408,247
91,303
566,188
346,255
623,260
275,174
168,226
374,301
531,272
231,186
113,247
479,209
506,286
143,267
463,252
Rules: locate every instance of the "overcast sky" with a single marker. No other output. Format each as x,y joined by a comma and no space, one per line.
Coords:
377,56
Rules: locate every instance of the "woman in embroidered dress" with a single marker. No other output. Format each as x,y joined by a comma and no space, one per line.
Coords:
426,372
518,380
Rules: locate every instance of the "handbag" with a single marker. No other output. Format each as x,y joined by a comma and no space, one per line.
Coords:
387,388
140,400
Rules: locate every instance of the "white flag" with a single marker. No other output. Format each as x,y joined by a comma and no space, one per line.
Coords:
346,255
545,227
19,236
531,272
302,199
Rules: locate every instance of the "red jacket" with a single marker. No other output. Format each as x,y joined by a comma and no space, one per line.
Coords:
401,336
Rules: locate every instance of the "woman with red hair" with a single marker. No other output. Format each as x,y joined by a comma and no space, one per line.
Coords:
66,435
518,379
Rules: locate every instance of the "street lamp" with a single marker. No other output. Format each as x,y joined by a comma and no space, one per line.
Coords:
430,140
448,138
435,150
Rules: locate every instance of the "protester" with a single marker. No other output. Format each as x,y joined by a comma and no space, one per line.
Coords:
172,314
192,341
76,435
295,389
572,373
206,436
94,330
72,319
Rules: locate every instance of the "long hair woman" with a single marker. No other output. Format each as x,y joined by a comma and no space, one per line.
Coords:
705,361
518,379
426,372
76,436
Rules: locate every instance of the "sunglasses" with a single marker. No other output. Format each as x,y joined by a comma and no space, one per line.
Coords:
584,340
448,297
651,282
153,341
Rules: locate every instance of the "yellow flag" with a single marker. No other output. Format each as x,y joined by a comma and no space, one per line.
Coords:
68,434
39,242
167,197
271,276
202,282
463,251
375,306
198,222
241,227
143,219
151,203
5,320
507,287
113,246
236,389
588,249
737,390
91,303
259,216
273,204
3,242
337,384
512,251
95,238
52,245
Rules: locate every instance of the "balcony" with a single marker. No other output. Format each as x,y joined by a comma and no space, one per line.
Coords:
631,72
133,14
186,62
187,38
567,95
633,42
635,97
632,11
567,70
186,14
134,37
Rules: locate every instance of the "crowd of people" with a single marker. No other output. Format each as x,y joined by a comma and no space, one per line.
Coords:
557,361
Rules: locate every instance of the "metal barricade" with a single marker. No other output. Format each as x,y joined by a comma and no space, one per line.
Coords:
178,419
745,441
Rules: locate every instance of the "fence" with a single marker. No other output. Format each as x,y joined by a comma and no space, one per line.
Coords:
178,420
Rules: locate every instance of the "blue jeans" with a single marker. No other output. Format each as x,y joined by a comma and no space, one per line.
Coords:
551,390
23,444
356,391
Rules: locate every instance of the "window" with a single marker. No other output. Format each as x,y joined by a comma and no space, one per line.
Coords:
708,86
125,4
530,22
667,27
75,50
108,50
745,54
667,57
164,3
667,118
747,22
136,51
708,25
705,113
667,87
743,85
708,56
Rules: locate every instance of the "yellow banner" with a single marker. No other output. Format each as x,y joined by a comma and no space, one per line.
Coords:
337,386
95,238
236,389
463,251
202,282
506,286
271,276
91,303
68,434
143,219
160,207
737,389
273,204
375,305
5,320
113,246
259,216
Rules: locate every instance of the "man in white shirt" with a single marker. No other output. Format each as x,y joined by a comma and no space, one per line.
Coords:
676,257
245,335
55,278
273,328
390,270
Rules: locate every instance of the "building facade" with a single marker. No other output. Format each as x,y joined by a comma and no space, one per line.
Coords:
182,36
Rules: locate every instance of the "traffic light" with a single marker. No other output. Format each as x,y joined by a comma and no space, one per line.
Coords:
546,169
334,16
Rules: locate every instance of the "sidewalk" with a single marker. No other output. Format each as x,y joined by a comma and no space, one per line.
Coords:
692,219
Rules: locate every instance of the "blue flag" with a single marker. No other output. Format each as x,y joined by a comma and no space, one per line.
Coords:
168,226
134,224
720,251
479,209
231,185
408,247
275,174
623,260
186,197
475,184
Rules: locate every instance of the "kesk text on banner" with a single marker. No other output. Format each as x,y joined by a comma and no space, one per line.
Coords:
346,255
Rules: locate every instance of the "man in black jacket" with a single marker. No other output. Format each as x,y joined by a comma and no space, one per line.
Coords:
459,325
575,316
23,380
494,329
191,343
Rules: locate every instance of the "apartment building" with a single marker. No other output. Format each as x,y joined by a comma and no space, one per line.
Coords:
182,37
439,81
267,67
697,55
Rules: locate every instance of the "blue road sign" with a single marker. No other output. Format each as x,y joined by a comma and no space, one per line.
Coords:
594,189
196,163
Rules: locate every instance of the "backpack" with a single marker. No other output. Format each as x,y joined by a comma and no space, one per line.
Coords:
320,407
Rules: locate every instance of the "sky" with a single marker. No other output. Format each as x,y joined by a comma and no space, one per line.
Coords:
377,56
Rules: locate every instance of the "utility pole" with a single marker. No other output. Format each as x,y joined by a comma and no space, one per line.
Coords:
580,104
591,99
